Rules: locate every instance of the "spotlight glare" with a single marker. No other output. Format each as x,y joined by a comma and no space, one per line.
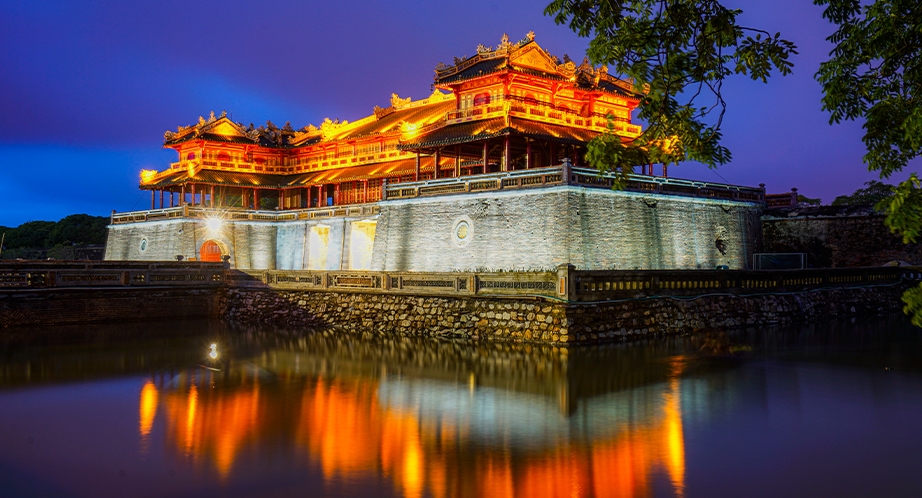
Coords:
213,224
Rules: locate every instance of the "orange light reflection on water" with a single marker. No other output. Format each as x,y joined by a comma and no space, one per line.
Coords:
342,425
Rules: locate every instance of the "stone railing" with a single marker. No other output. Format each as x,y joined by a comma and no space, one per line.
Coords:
597,286
237,214
566,175
62,274
572,285
543,284
567,284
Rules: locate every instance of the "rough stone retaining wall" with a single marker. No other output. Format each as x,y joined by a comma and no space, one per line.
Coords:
836,237
547,321
86,305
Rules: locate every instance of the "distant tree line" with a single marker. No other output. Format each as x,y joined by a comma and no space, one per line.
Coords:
873,194
55,239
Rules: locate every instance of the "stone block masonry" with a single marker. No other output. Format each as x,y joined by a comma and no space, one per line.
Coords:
548,321
540,229
836,236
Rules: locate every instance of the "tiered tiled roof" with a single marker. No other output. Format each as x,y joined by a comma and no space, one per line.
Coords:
526,57
489,95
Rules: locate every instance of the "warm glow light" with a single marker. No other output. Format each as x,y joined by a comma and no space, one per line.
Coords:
213,225
213,354
675,442
148,410
192,403
409,129
317,246
362,243
147,175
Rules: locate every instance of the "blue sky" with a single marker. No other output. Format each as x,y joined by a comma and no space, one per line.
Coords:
88,88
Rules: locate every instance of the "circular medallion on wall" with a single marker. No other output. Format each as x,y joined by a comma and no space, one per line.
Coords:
463,231
143,245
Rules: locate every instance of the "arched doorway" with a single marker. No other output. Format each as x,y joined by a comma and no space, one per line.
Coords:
210,252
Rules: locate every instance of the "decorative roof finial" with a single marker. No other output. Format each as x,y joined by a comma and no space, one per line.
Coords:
530,35
504,42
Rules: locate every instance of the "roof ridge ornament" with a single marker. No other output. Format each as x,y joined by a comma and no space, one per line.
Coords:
503,42
398,102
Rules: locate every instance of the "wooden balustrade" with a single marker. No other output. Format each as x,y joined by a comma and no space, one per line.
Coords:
236,214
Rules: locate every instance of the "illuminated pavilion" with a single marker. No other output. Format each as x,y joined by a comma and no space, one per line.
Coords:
507,108
487,173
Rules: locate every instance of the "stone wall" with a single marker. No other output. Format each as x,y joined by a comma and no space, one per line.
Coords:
835,237
82,305
258,245
528,229
539,229
249,244
547,321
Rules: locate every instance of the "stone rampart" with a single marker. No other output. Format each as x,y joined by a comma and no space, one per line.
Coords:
89,305
528,220
547,320
836,237
539,229
567,306
62,292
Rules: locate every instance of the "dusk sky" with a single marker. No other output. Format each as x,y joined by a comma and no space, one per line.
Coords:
88,88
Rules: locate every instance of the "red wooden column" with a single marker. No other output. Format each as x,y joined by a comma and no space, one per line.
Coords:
182,195
507,157
553,154
416,178
212,196
161,199
665,174
365,191
457,161
152,199
192,186
436,161
527,153
486,155
255,198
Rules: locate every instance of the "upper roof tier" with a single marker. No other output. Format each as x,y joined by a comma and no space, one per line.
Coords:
538,87
527,57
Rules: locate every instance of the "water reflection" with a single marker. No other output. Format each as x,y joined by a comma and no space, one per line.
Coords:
392,408
416,418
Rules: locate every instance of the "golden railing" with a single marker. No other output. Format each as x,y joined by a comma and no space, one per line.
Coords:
236,214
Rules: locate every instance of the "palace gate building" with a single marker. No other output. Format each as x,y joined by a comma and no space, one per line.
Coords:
485,174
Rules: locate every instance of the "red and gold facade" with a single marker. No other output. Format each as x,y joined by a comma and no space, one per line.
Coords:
507,108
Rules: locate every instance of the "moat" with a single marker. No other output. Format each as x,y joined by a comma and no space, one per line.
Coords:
821,410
